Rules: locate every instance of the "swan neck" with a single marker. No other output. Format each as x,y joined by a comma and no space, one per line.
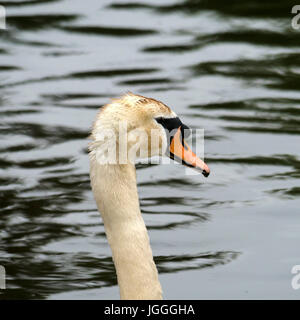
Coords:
115,191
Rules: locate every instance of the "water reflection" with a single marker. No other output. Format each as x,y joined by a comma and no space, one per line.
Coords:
111,31
204,260
232,8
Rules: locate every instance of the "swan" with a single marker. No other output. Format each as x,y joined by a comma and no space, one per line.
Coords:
114,182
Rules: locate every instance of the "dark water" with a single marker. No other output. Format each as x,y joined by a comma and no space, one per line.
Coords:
231,67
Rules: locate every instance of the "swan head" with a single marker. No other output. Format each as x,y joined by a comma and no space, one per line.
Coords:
135,126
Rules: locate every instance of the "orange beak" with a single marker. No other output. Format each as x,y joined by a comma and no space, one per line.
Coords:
181,152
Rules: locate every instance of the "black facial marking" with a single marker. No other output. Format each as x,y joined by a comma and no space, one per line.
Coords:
171,124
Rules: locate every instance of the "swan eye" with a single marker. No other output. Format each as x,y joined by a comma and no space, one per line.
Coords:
174,123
